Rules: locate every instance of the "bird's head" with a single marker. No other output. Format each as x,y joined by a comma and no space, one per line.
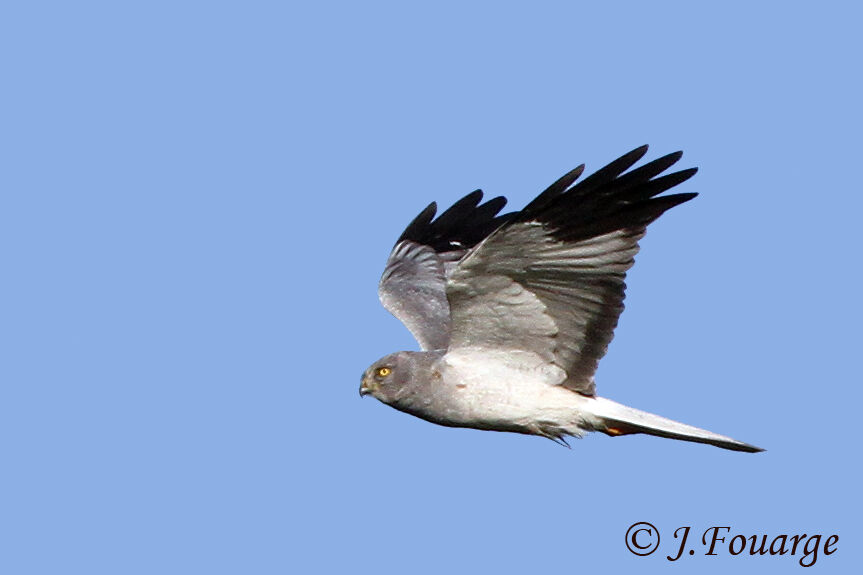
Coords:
386,377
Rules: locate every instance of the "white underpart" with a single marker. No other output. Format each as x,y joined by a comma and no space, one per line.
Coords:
500,389
511,388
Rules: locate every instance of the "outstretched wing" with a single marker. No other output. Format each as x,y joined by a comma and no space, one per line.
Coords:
551,280
413,285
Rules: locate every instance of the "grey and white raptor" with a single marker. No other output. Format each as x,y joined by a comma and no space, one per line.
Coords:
513,312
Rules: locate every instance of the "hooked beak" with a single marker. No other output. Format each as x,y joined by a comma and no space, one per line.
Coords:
366,387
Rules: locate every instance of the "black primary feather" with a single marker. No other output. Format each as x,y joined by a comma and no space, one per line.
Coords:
461,227
610,199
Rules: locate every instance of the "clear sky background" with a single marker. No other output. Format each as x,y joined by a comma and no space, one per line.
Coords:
197,202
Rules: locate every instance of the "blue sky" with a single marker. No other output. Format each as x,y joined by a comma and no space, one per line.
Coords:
197,202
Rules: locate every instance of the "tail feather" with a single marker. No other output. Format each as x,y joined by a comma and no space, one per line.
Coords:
615,419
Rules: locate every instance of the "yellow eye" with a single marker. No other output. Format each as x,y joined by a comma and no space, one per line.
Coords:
384,371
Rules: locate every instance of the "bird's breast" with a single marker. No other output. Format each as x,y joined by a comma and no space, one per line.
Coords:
479,390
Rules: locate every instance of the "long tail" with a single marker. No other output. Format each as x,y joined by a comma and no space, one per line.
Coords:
615,419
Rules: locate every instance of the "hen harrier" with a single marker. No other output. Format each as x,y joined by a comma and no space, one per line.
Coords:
513,312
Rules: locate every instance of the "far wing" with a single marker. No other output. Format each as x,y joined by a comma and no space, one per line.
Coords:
551,281
413,285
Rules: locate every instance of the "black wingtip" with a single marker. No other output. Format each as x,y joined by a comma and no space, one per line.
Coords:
621,164
631,157
420,222
553,191
655,207
567,179
736,446
461,226
616,196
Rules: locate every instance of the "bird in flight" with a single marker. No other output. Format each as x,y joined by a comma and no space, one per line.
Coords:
514,311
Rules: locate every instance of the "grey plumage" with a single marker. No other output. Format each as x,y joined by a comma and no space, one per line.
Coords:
513,312
413,285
